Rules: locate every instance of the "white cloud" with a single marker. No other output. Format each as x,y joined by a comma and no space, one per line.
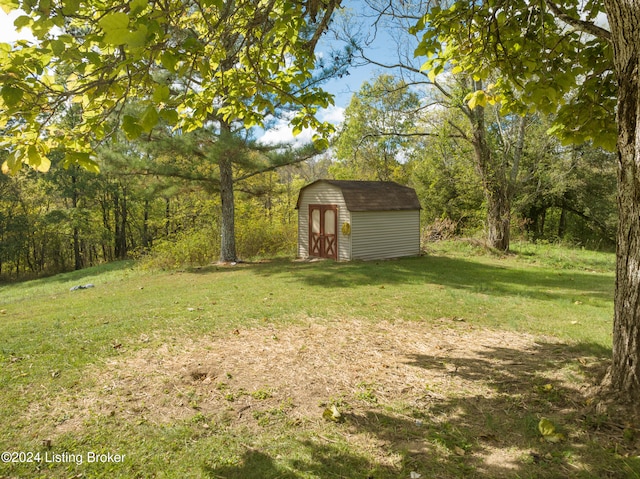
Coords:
333,114
8,33
282,133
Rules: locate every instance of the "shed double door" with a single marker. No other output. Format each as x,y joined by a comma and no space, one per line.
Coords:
323,228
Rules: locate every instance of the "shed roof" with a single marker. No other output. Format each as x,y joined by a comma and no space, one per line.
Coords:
373,195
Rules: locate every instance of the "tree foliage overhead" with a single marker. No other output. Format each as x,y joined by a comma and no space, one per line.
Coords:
188,62
553,57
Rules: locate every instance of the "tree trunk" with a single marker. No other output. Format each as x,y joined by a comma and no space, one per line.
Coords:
77,257
624,21
494,182
562,223
227,225
498,216
147,240
120,223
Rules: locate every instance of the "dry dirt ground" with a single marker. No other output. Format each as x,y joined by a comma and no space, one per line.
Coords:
403,388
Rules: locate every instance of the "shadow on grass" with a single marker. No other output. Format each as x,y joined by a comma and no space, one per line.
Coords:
325,461
508,280
473,434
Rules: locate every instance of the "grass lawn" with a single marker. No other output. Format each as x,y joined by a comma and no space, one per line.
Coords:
438,366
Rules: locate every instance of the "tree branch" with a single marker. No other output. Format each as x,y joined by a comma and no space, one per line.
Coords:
578,23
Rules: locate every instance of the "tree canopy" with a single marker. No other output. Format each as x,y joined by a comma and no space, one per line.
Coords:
550,58
187,62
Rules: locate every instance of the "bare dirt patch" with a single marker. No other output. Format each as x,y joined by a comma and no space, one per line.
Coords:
307,367
407,391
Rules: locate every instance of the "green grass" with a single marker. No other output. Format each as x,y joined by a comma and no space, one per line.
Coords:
51,337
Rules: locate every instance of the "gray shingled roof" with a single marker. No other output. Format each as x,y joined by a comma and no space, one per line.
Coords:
373,195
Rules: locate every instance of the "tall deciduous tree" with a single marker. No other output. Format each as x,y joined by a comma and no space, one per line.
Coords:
495,162
560,57
379,124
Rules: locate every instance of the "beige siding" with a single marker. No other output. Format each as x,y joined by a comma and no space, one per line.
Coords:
322,194
385,234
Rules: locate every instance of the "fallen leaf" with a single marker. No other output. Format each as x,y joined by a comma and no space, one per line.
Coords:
548,431
459,451
332,414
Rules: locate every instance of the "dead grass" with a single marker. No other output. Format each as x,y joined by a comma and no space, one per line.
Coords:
407,390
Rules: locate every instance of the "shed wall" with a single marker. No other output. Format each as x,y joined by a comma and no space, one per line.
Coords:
322,194
385,234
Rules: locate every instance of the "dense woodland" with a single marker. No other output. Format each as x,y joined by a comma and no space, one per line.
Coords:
160,191
151,202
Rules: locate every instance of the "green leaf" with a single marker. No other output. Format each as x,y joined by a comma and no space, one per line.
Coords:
70,7
131,127
136,39
149,119
58,47
170,116
114,21
11,95
161,94
169,61
82,159
22,21
115,27
136,6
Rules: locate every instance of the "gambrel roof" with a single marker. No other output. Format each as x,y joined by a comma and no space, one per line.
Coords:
373,195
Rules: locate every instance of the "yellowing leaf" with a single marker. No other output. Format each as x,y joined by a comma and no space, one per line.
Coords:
44,165
546,427
332,414
12,164
9,5
548,431
477,99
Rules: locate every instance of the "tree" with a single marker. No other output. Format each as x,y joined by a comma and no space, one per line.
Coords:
589,72
375,137
190,62
496,159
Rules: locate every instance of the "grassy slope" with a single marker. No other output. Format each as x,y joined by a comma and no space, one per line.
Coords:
49,335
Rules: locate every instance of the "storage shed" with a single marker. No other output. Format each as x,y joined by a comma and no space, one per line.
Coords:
347,220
